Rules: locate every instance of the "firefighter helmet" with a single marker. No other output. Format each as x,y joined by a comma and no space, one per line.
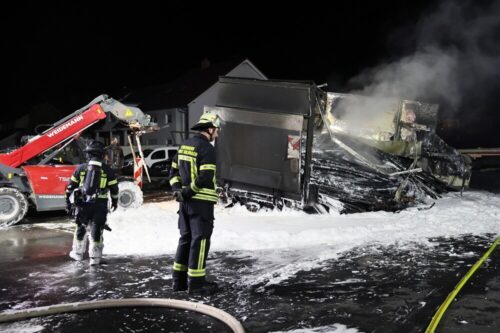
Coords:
95,148
207,120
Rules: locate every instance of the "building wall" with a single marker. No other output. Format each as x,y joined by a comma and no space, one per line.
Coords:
171,133
171,124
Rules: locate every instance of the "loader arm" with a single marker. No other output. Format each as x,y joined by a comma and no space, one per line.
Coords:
74,124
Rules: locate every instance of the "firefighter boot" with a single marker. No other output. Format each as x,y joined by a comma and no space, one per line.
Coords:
95,253
200,286
79,247
179,281
77,250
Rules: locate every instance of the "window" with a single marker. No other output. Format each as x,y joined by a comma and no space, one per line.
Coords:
158,155
171,153
168,118
169,142
152,142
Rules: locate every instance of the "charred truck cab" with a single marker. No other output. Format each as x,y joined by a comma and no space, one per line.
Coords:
292,144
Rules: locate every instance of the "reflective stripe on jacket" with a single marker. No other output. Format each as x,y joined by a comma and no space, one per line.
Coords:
194,168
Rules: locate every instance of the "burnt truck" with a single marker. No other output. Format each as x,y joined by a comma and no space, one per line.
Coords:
292,144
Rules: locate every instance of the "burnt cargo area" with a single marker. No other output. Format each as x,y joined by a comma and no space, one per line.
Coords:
289,143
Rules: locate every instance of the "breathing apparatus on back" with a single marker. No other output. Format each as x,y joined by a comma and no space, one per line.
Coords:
90,187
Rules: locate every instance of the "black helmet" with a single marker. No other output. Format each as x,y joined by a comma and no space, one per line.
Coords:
95,148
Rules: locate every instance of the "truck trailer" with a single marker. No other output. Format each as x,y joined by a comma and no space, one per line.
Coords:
292,144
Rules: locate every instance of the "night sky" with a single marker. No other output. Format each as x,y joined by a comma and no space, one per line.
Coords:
63,54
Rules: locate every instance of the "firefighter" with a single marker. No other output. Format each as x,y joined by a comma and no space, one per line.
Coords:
90,184
114,156
192,177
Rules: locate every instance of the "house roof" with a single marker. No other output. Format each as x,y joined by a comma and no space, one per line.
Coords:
181,91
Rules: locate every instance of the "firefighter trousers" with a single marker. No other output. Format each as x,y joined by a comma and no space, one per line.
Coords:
92,217
196,222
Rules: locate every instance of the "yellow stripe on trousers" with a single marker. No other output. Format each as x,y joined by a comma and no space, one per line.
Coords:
201,257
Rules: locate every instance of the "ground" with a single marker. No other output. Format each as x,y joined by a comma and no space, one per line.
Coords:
375,286
379,289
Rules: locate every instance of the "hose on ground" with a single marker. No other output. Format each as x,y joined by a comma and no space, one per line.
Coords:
442,309
208,310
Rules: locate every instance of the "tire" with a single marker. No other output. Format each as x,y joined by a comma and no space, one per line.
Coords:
129,195
252,206
13,206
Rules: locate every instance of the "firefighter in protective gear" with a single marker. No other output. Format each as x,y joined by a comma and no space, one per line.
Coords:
90,184
114,156
192,177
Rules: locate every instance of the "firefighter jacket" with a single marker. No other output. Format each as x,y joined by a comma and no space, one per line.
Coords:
114,157
193,170
108,182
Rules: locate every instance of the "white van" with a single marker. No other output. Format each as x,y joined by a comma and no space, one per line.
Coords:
158,160
160,155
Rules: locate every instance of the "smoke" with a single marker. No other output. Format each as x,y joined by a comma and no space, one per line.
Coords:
456,56
427,74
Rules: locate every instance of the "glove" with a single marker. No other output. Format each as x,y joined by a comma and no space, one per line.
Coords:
187,193
69,207
178,196
114,204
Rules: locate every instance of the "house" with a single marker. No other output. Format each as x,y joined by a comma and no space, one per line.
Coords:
177,106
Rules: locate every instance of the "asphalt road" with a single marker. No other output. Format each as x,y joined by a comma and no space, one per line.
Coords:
374,289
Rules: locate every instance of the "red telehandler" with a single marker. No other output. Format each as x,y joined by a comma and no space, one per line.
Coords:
43,184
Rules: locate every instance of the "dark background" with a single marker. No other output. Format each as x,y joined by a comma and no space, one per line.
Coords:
60,55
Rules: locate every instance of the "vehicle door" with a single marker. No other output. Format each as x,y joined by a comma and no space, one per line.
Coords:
157,155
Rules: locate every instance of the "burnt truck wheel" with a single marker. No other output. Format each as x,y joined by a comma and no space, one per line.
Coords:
252,207
129,195
13,206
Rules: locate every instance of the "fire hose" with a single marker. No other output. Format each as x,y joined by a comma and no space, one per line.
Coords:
442,309
208,310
